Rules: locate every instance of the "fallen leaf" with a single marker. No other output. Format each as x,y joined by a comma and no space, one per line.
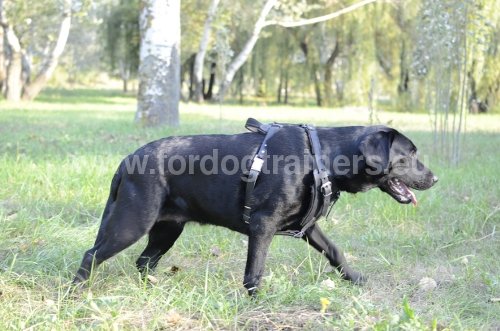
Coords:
328,284
215,251
173,270
152,279
427,284
173,317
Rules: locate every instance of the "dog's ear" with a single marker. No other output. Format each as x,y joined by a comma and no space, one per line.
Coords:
375,147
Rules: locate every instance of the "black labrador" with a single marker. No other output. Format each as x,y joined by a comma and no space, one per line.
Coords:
168,182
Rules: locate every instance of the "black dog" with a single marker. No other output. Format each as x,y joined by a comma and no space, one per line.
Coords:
168,182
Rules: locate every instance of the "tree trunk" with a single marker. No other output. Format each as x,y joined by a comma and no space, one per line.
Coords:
3,72
404,75
241,84
280,86
317,85
211,82
159,69
33,89
240,59
187,70
200,56
313,67
328,83
286,87
14,83
125,75
404,97
190,64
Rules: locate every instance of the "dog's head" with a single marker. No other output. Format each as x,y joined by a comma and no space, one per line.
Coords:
391,163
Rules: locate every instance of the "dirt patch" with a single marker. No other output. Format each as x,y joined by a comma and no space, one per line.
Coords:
290,319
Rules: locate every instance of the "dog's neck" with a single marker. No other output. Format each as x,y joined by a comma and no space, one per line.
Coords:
340,148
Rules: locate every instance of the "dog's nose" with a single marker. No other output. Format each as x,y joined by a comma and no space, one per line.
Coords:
435,179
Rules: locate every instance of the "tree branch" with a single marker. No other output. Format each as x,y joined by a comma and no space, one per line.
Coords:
319,19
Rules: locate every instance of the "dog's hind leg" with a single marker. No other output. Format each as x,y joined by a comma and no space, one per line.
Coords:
124,224
317,239
161,238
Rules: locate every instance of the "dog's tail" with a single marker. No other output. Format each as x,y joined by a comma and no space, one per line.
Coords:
115,183
113,193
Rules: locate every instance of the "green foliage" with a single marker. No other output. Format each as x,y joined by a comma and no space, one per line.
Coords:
193,15
484,34
393,51
122,37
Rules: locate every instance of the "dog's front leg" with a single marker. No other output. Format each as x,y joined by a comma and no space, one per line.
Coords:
259,239
317,239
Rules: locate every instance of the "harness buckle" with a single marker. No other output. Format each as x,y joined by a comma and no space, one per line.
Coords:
246,214
326,189
257,164
298,234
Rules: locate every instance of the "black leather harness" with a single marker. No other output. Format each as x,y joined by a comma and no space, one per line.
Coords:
323,192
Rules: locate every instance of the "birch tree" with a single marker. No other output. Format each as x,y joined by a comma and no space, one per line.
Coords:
240,59
12,79
14,86
33,89
200,56
13,16
159,68
3,73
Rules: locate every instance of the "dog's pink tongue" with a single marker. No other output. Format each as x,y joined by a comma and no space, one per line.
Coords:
413,198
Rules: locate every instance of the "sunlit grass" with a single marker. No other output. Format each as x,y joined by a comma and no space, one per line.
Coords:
57,157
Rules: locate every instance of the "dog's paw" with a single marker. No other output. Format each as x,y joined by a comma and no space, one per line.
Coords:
76,290
252,292
357,278
353,276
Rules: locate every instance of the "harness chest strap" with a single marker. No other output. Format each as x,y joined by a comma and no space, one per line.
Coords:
256,169
322,191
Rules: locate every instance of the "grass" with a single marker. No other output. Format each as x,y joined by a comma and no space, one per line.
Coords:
57,157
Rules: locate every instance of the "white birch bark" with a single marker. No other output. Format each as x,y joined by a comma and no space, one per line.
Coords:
293,24
240,59
200,56
33,89
3,68
159,69
14,84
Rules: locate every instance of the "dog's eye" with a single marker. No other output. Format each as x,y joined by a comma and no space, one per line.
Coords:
413,153
402,160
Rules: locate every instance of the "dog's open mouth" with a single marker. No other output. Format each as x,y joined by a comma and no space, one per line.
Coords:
400,191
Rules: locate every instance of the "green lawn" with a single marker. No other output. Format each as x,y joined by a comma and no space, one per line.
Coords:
57,157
